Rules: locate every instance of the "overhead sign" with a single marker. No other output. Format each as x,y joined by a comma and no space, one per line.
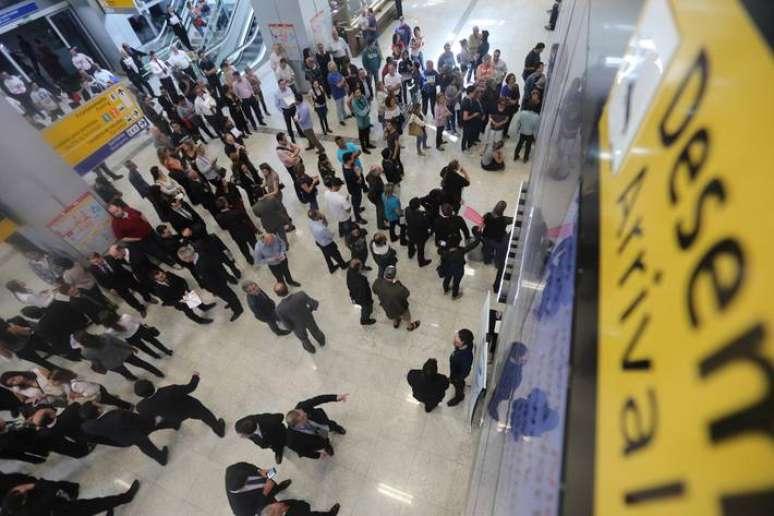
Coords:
17,13
85,225
685,403
90,134
117,5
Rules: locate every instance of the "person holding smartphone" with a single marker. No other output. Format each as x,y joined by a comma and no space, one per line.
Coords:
250,489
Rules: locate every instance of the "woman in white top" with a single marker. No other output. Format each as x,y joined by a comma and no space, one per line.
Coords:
277,53
167,185
29,297
392,111
132,329
78,390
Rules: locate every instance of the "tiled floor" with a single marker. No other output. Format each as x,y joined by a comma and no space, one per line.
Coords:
395,460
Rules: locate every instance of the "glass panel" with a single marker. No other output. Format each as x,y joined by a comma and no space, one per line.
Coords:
71,30
39,51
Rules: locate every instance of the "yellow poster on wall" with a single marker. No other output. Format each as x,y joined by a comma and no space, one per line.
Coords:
685,404
117,5
94,131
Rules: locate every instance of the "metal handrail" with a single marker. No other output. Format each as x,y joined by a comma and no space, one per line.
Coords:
163,30
208,52
237,54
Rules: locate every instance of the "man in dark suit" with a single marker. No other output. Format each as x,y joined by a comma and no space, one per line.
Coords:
297,508
265,430
309,427
213,277
45,497
8,481
120,282
360,291
181,215
418,227
211,244
249,489
82,301
133,260
295,313
59,321
240,228
61,433
460,364
262,306
200,192
121,428
171,288
20,441
174,404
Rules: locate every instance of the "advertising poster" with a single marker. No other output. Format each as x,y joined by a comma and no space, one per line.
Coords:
285,34
90,134
685,411
84,225
114,6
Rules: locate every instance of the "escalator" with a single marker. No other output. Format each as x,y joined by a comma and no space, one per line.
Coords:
231,33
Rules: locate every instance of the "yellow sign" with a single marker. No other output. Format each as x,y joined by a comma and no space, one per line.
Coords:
117,5
685,404
87,136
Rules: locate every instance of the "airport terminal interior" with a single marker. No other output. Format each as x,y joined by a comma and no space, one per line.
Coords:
386,258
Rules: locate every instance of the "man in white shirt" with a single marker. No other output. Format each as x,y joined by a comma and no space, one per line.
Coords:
339,50
82,62
180,61
285,102
163,73
392,82
207,107
285,72
17,90
339,206
45,102
500,68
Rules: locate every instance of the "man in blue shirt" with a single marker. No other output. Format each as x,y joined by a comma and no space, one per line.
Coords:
271,250
338,87
404,31
460,363
447,58
303,118
324,238
429,88
345,147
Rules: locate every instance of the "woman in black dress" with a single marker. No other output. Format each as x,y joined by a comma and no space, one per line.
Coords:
234,105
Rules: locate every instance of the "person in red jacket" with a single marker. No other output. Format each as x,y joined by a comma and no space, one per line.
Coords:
131,227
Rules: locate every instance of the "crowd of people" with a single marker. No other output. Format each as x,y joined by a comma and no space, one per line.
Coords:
195,198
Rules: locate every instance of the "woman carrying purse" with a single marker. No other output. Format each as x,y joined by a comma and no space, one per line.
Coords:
417,128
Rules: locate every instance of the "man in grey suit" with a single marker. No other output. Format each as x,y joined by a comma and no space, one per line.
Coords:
295,313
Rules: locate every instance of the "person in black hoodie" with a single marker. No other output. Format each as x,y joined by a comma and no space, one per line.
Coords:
418,229
453,262
493,232
360,292
427,386
454,179
447,225
173,404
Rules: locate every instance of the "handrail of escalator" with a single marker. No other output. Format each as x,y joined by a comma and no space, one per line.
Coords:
163,31
236,55
209,51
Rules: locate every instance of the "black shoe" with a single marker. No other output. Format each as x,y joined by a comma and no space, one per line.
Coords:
457,295
455,401
207,306
332,269
278,457
282,486
232,280
164,456
307,346
516,157
144,313
342,123
221,430
334,510
339,430
262,123
235,316
204,321
371,146
132,492
368,322
426,262
365,150
284,332
294,283
237,273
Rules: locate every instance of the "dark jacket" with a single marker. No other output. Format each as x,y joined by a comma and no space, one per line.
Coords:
392,296
179,221
296,310
59,322
172,402
212,245
460,362
306,445
417,224
299,508
236,223
246,503
359,290
453,260
263,306
114,277
444,227
46,498
118,427
210,273
271,212
171,293
426,389
273,432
